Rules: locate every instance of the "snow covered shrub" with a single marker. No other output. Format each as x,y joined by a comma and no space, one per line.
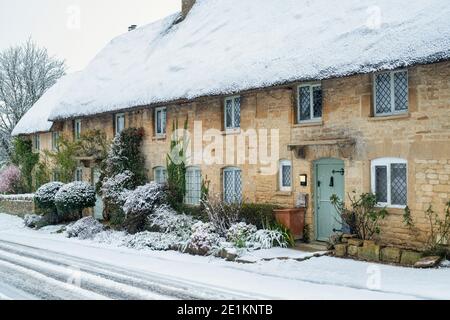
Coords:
221,215
85,228
72,198
267,239
153,241
140,204
204,239
167,220
10,179
32,220
44,198
240,233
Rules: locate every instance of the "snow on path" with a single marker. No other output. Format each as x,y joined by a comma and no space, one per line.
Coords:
318,278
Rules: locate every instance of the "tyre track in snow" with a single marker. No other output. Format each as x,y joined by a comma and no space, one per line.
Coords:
102,279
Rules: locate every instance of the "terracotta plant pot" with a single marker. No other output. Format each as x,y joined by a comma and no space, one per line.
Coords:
293,219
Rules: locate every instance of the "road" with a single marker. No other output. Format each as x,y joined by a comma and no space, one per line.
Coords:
27,272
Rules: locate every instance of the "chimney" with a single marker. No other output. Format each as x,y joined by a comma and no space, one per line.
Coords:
186,6
132,27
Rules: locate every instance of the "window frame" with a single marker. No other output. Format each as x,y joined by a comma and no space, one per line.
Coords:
77,171
281,186
116,123
37,142
387,162
164,129
77,129
164,171
234,170
193,169
55,140
232,128
392,79
313,119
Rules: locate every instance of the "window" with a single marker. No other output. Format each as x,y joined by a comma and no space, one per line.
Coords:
160,121
77,129
160,175
232,113
391,92
309,103
232,185
119,123
79,174
193,186
390,182
285,175
37,142
55,140
55,176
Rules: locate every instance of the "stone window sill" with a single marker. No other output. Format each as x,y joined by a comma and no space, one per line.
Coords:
284,193
390,117
160,137
308,124
231,132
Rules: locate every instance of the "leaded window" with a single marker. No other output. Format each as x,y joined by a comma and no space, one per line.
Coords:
37,142
233,113
77,129
232,185
285,175
55,140
310,103
79,174
119,123
160,175
193,186
160,121
389,181
391,92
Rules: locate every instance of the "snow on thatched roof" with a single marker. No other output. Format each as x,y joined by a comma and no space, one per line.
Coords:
234,45
36,119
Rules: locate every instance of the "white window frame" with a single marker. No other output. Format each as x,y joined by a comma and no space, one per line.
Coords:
282,187
311,103
37,142
233,116
374,88
231,169
161,110
188,190
79,174
387,162
161,170
117,117
77,129
55,140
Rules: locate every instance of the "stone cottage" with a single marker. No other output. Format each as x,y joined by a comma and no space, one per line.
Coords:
285,99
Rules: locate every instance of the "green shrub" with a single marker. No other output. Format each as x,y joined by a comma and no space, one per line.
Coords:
287,234
24,158
260,215
72,198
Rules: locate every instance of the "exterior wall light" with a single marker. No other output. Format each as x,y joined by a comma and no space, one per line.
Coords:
304,180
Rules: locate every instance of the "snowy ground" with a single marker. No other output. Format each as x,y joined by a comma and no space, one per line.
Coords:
40,265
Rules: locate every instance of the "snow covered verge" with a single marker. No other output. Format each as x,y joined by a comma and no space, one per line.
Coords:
316,278
17,197
173,231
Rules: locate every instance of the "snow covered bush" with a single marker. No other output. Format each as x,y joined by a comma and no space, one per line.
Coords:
32,220
44,198
240,233
167,220
85,228
10,178
153,241
221,215
267,239
204,239
140,204
72,198
116,189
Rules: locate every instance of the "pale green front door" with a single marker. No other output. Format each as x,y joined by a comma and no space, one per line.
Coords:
329,181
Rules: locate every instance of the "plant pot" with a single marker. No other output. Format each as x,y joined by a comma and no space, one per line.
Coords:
293,219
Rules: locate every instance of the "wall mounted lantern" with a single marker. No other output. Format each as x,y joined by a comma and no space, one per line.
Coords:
304,180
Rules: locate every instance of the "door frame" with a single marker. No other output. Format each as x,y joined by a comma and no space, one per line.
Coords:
317,163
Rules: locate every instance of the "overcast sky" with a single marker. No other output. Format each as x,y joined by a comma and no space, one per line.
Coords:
76,29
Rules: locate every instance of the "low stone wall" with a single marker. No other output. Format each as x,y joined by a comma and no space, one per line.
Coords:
18,205
373,252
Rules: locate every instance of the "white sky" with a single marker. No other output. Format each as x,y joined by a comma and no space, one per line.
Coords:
76,30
